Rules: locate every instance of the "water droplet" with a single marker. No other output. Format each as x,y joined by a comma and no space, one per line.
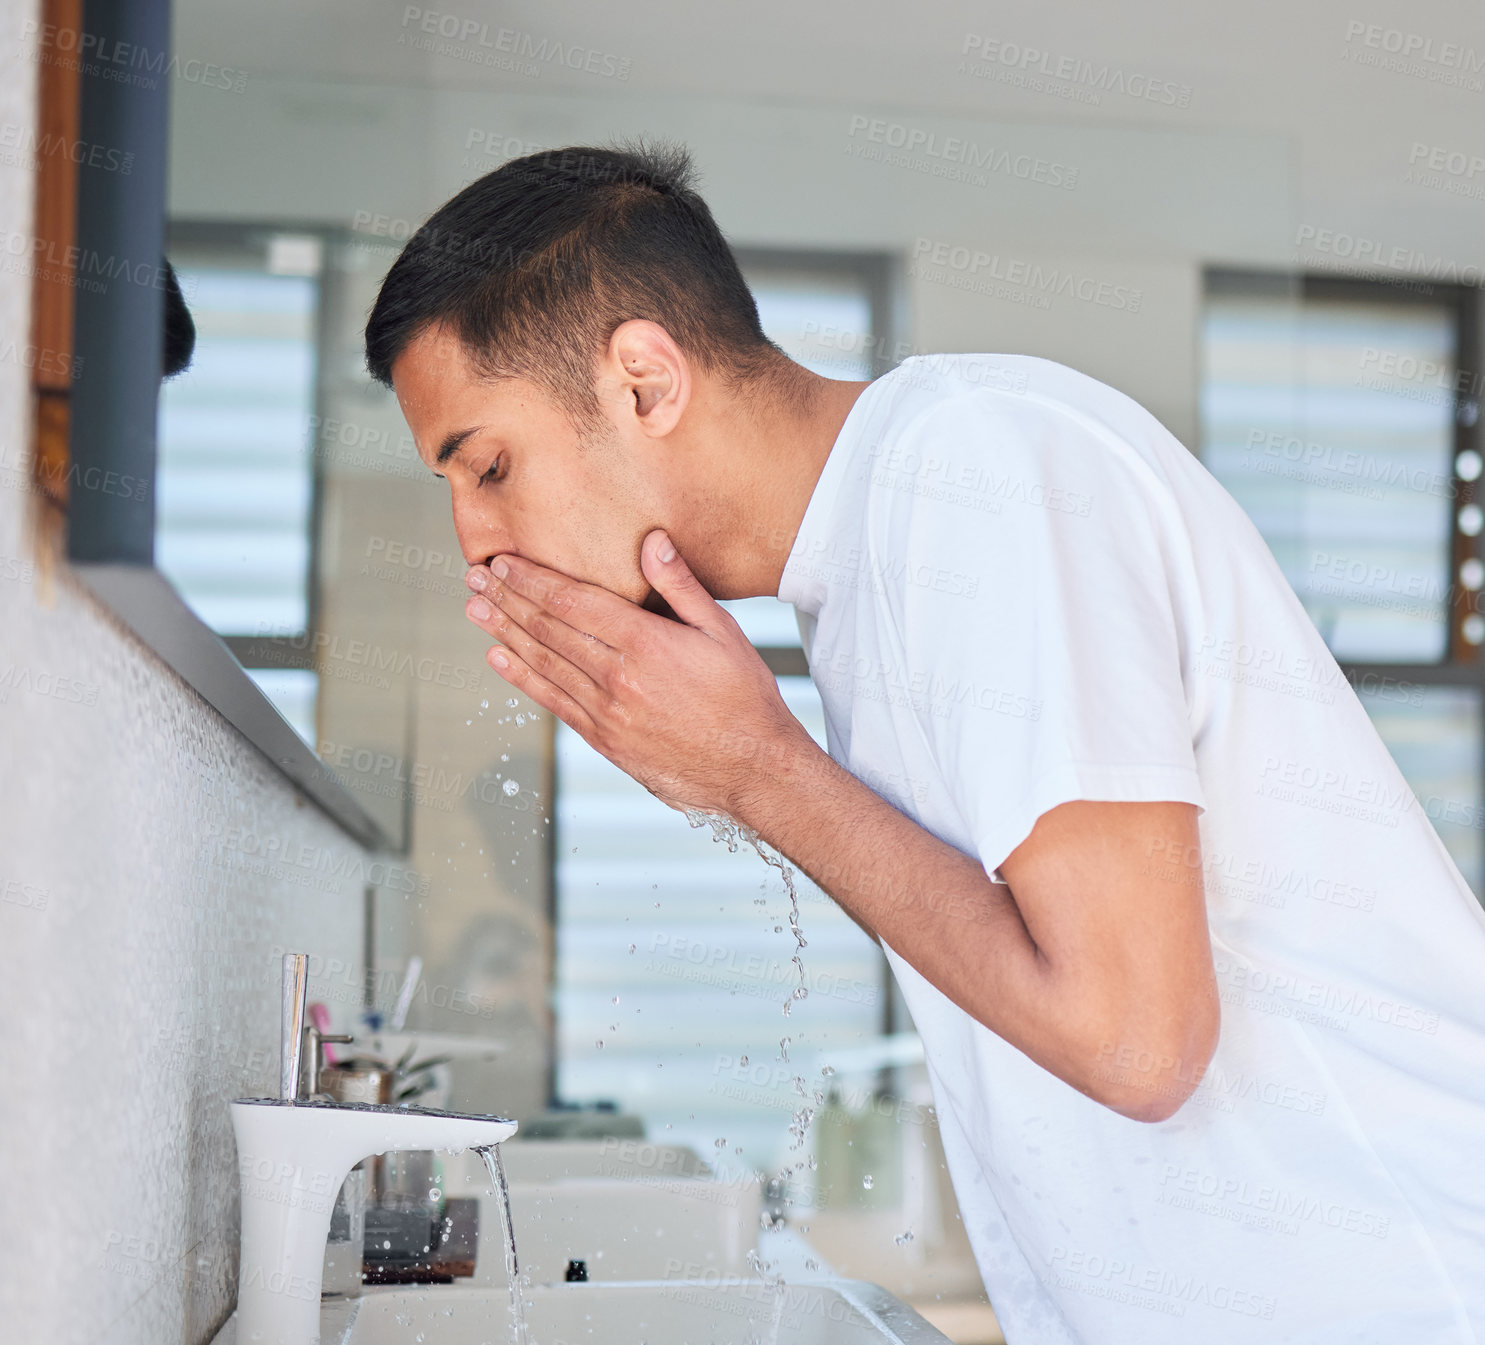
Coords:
512,703
743,1062
511,787
868,1181
721,1143
811,1264
598,1044
485,704
434,1194
520,721
827,1070
631,947
505,756
616,999
902,1239
778,929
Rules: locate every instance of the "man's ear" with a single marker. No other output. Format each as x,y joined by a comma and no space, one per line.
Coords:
650,374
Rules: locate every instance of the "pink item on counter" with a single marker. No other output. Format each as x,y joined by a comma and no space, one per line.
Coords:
319,1015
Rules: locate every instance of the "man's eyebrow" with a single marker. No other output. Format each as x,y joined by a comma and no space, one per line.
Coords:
453,442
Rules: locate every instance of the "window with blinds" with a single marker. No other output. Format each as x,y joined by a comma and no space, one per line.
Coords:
1317,417
1332,413
674,956
235,468
674,964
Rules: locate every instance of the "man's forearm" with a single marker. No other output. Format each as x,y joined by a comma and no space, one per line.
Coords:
932,903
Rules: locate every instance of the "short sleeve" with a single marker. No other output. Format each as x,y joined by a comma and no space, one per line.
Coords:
1050,666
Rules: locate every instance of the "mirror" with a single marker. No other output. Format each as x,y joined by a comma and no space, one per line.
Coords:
195,511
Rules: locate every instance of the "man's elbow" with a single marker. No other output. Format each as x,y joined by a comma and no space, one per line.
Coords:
1149,1077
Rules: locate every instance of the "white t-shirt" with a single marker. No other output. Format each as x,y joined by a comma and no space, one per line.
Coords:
1016,589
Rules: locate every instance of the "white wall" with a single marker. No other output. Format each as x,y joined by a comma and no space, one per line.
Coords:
138,940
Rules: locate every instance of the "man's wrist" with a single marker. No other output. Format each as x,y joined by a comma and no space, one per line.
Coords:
773,774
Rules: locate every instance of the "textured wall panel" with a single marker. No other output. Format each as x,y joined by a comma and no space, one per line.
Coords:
140,927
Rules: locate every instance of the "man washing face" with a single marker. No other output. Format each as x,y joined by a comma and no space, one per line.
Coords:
1198,986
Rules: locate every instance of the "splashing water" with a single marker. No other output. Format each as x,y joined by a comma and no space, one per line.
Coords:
765,1271
731,833
495,1166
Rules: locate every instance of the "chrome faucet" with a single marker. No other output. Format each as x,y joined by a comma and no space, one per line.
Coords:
293,1154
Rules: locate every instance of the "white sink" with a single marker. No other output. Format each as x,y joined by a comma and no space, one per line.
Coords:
660,1312
666,1247
624,1208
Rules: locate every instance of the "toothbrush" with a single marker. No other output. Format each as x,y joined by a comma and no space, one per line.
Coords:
319,1015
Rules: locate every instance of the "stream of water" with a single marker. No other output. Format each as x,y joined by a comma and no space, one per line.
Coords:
495,1166
732,833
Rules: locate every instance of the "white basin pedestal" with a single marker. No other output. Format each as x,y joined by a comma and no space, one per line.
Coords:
292,1158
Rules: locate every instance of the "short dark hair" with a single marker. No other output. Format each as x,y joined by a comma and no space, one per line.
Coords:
534,265
180,329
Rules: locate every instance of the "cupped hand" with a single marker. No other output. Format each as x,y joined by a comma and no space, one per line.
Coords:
686,707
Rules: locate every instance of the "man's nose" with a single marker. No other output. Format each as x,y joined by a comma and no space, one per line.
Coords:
480,538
